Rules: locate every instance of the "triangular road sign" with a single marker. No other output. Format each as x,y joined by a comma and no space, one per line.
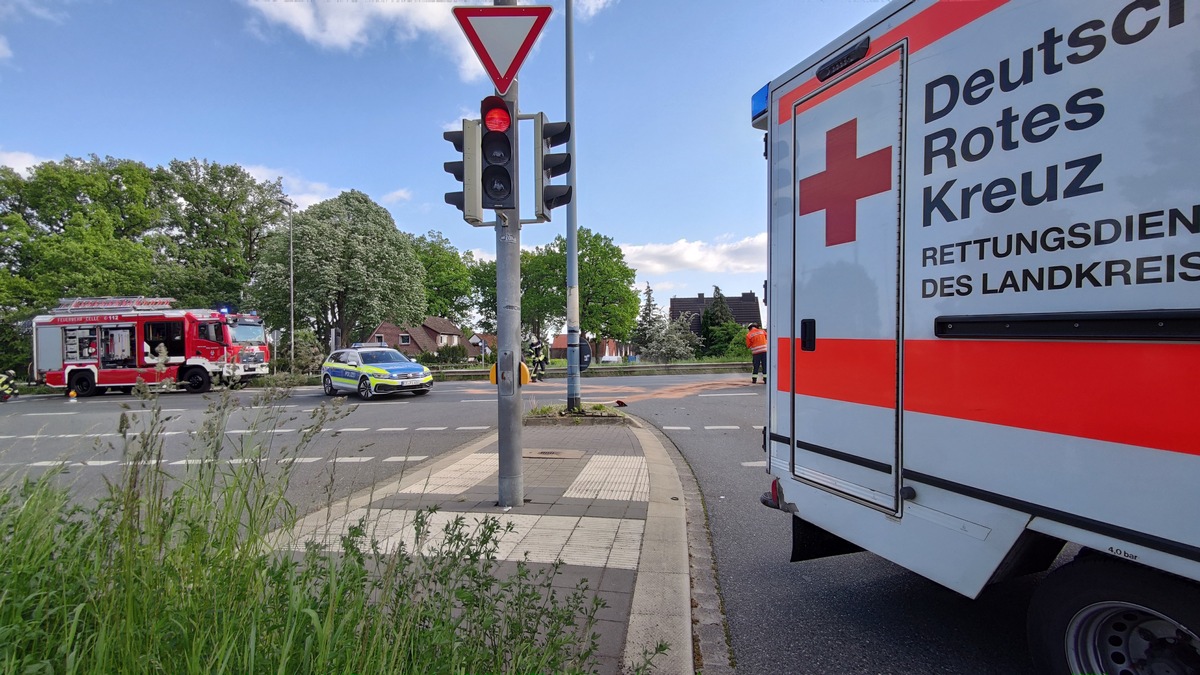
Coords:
502,37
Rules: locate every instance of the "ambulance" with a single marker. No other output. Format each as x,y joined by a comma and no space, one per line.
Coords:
984,292
91,345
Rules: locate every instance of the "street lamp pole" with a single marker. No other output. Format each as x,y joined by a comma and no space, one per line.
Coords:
287,203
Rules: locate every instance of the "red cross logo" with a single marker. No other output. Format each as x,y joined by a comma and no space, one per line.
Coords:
846,179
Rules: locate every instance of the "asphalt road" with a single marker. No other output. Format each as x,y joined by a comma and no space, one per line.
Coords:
852,614
849,614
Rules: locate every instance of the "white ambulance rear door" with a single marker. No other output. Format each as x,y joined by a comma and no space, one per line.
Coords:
837,339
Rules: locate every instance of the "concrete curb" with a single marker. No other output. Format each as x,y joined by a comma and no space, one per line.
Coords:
661,610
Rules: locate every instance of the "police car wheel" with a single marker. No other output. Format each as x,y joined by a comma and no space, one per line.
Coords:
327,383
364,390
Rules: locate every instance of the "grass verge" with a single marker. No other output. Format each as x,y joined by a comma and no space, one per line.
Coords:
176,574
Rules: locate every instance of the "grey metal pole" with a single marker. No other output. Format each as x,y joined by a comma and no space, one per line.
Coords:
289,205
291,291
508,328
574,395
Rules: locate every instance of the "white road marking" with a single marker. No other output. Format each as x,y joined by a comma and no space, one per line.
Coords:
410,458
392,429
55,463
352,459
758,463
299,460
467,428
99,462
478,400
351,429
677,428
47,414
431,428
719,428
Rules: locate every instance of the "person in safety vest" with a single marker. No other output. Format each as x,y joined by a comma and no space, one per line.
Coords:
756,340
8,385
538,357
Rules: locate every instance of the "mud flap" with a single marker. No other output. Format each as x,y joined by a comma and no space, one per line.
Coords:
810,542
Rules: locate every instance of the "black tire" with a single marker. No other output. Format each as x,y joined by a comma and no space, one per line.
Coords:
1106,616
197,381
364,390
83,383
327,384
420,392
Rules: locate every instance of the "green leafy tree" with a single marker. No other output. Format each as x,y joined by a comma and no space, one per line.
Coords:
650,323
543,288
353,270
71,228
447,277
711,320
214,220
483,293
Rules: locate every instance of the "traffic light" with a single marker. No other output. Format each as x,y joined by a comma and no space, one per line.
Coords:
467,170
546,165
496,148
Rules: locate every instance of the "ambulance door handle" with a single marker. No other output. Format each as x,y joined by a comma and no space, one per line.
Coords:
808,335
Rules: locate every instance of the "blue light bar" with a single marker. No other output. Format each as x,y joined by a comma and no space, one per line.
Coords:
759,102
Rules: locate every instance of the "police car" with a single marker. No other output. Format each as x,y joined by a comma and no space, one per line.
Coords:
373,371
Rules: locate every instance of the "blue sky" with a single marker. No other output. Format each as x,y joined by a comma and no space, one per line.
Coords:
342,94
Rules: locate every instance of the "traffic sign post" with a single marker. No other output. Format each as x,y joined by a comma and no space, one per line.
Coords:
502,37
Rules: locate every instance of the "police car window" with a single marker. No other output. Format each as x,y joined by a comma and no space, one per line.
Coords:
376,356
337,357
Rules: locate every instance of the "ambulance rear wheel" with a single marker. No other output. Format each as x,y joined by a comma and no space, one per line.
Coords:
83,383
1103,615
197,381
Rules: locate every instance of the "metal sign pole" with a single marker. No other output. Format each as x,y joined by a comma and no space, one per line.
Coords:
508,327
574,395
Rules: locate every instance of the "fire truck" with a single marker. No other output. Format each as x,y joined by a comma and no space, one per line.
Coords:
91,345
984,233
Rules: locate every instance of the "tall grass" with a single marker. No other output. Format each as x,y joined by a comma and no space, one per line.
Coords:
175,574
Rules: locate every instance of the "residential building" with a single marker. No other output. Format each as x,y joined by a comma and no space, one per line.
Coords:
431,335
745,308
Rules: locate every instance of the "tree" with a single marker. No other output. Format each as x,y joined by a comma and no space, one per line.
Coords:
713,316
353,270
483,293
214,220
650,324
676,342
447,277
543,288
71,228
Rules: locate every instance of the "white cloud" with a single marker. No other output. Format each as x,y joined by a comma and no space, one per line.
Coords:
348,26
302,191
590,8
21,162
482,255
745,256
12,10
400,195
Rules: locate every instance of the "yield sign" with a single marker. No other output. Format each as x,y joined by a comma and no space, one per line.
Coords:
502,37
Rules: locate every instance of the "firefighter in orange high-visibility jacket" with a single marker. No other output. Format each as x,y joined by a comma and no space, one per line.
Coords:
756,340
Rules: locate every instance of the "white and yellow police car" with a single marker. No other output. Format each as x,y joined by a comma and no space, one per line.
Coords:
373,371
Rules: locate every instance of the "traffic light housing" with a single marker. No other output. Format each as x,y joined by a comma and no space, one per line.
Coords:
497,151
467,171
547,165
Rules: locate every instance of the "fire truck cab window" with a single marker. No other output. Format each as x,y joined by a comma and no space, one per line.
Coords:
210,332
169,333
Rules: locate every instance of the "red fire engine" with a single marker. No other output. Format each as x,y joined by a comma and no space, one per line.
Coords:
92,344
